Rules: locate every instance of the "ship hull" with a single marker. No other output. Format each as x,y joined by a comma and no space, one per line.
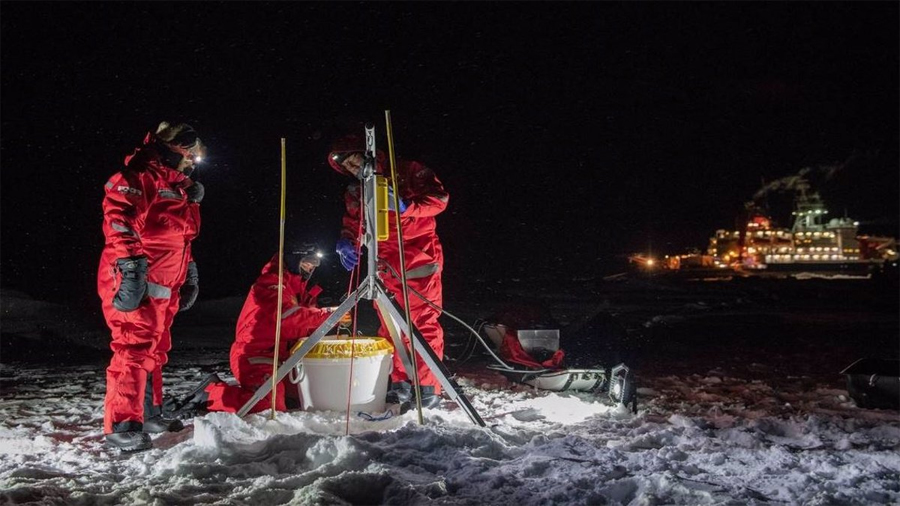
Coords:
856,268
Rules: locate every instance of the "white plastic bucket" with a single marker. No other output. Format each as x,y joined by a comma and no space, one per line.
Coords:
324,377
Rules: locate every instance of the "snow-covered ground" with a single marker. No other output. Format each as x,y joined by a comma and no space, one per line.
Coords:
733,430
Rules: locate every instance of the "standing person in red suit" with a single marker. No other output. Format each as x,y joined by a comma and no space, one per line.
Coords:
151,213
422,198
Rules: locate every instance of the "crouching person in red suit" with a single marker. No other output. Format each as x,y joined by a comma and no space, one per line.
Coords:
254,345
151,213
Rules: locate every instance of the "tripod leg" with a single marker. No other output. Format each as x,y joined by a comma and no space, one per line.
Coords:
396,336
307,345
427,354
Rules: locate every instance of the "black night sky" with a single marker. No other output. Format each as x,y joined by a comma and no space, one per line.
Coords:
567,134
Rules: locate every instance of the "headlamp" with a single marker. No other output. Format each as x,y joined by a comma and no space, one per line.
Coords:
309,253
194,152
197,152
340,156
311,260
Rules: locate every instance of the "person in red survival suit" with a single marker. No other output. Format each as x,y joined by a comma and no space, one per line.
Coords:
422,198
254,345
151,213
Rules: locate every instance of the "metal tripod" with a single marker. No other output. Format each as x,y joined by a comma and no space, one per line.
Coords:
371,288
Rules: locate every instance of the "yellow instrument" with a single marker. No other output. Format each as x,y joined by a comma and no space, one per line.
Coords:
382,232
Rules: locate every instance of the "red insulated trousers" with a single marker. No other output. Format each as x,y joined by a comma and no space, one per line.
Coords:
425,320
251,368
141,339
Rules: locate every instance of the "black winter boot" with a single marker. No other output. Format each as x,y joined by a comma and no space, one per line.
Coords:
159,424
193,403
154,421
128,437
398,392
429,399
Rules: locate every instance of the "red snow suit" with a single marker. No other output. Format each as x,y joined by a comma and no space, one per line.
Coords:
426,198
254,345
145,212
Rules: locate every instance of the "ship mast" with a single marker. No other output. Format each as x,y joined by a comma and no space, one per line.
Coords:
808,208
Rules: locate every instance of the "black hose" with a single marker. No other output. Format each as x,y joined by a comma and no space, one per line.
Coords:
506,367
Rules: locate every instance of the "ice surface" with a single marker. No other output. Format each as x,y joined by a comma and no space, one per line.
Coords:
538,448
705,433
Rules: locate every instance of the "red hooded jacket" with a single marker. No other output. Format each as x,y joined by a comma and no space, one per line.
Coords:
425,197
147,204
255,332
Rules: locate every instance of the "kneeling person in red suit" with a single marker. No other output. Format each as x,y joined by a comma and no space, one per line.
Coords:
254,345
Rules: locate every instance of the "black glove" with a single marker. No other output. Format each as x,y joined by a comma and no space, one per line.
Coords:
190,289
133,285
195,192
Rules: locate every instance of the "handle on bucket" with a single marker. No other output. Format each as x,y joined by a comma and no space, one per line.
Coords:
296,374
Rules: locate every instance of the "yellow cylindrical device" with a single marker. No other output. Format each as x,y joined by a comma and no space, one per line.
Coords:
382,232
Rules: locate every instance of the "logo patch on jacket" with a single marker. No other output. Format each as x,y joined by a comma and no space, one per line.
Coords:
128,190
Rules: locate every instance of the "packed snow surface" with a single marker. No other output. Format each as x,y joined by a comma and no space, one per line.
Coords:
740,402
700,439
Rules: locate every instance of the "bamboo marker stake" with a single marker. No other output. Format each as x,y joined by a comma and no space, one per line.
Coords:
280,278
415,372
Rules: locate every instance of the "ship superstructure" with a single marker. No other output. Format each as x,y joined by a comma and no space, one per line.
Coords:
813,242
